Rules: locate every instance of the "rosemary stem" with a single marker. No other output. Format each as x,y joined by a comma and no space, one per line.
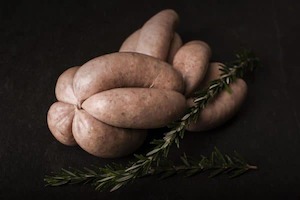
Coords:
252,167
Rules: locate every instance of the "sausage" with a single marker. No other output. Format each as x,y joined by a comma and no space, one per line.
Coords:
157,33
62,116
64,86
175,46
124,69
103,140
136,107
59,118
192,60
71,126
213,72
222,107
129,45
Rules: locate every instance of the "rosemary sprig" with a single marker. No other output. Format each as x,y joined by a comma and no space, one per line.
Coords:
109,177
217,162
112,178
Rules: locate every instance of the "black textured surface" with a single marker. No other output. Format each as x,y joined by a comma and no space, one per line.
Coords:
38,41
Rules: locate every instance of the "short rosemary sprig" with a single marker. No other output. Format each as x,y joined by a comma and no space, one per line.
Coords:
217,162
112,178
104,178
109,177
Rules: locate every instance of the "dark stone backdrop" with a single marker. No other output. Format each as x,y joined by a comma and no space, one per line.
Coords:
38,41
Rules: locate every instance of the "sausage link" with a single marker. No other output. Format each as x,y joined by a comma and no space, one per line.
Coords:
124,69
175,46
59,118
64,86
157,33
130,44
136,107
222,107
103,140
192,60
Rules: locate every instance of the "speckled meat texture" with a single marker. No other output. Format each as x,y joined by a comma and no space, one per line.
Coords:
103,140
192,60
64,86
130,44
157,33
60,117
124,70
136,107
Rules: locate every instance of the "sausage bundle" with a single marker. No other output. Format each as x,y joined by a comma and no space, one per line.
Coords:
107,104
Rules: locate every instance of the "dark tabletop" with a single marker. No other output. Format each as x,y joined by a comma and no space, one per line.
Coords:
38,41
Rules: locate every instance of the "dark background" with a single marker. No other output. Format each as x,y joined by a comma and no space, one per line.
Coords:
38,41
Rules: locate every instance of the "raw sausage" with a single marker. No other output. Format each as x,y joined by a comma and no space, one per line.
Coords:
124,69
103,140
192,60
222,107
139,108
